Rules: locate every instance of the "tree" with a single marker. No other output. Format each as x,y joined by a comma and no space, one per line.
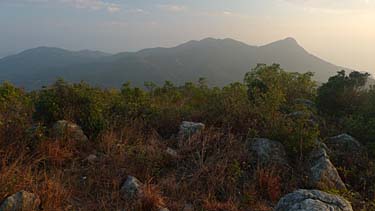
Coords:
15,112
79,103
273,86
343,94
272,92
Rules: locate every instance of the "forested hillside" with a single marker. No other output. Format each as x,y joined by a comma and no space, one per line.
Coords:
276,141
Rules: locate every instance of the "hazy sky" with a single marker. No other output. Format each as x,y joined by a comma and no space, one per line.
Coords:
340,31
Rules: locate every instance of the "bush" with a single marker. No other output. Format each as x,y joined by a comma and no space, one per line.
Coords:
79,103
15,113
272,92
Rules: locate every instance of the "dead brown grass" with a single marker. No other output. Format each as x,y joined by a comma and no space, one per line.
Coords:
211,172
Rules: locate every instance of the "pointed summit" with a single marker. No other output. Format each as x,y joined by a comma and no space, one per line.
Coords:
287,42
290,40
222,61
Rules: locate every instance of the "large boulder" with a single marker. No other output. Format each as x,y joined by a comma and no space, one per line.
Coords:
20,201
187,129
344,148
269,152
343,142
312,200
131,188
308,116
322,173
65,129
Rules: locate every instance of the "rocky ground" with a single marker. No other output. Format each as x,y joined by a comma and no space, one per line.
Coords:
320,173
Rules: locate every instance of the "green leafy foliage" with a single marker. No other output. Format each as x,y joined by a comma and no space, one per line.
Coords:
273,92
342,94
79,103
347,103
132,127
15,112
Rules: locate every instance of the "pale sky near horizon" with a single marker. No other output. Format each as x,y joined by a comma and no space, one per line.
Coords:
339,31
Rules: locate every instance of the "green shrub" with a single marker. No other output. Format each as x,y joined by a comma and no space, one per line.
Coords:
15,112
79,103
272,92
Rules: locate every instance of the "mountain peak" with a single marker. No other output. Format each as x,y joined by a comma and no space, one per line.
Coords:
221,60
216,40
210,42
209,39
288,42
45,49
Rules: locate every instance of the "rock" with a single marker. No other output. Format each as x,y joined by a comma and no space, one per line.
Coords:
91,158
344,144
163,209
312,200
322,173
187,129
308,116
299,114
188,207
345,151
65,129
269,152
305,102
22,200
171,152
131,188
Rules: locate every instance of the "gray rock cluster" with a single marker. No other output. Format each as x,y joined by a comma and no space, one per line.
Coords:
322,176
312,200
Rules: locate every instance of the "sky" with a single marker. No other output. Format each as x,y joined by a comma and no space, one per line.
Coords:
339,31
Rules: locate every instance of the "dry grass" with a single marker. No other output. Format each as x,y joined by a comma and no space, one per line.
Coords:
151,199
269,183
209,172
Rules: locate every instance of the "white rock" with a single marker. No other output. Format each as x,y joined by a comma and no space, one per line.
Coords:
312,200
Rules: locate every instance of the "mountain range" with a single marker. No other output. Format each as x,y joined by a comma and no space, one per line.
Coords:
220,61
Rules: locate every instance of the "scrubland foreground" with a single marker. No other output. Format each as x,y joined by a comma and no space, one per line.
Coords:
277,141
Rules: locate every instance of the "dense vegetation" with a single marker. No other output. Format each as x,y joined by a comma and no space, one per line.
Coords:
129,129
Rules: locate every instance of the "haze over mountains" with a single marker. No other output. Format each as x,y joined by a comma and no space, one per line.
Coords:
220,61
